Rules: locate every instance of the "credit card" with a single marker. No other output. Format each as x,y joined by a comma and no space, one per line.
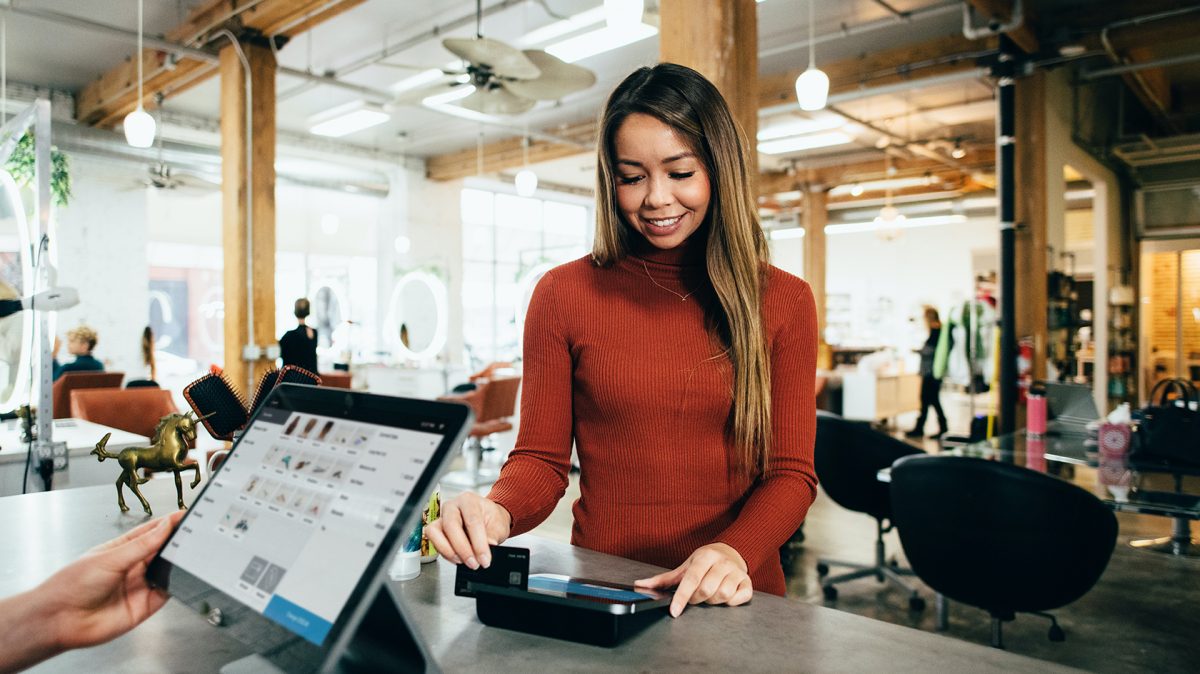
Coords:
509,568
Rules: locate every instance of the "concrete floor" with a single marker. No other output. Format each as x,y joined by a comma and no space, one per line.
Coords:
1142,616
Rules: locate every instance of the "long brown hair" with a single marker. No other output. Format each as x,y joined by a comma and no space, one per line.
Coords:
736,256
148,350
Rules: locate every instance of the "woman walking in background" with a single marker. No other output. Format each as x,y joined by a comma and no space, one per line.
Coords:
931,385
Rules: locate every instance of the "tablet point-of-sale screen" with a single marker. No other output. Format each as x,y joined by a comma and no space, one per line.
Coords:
296,513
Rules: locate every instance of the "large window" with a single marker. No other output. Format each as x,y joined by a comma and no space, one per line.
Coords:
508,241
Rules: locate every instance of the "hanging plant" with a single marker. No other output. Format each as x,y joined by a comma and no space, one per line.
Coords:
21,166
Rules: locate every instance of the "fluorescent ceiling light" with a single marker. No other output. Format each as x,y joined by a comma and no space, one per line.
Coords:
788,233
907,223
558,29
422,78
799,127
809,142
449,96
442,103
880,185
347,119
599,41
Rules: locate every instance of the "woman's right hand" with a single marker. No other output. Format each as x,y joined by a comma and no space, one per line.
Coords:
468,525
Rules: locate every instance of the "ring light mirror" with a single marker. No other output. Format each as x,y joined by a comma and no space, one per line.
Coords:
417,317
16,280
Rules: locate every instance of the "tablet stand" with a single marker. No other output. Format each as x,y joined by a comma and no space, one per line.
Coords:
381,641
384,641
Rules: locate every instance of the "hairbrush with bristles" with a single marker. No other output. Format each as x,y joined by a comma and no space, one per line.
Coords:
214,395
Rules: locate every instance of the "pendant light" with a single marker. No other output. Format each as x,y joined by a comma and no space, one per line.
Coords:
139,125
526,180
890,220
812,87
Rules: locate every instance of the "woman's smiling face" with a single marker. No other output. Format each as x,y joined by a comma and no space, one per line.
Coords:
662,187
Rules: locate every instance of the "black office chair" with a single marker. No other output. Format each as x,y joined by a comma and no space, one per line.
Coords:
848,457
999,536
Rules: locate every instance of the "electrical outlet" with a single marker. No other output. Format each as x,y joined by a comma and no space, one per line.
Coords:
55,451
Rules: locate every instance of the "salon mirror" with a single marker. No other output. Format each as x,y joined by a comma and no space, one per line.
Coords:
16,275
417,317
326,314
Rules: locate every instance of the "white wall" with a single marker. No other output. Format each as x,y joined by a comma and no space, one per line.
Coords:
925,265
101,240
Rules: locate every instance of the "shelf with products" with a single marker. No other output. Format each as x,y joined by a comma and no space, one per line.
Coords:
1122,345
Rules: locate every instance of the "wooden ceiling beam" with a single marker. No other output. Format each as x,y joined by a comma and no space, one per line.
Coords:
981,158
507,154
107,100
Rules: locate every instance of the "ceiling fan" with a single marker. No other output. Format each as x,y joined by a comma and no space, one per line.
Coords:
508,80
163,177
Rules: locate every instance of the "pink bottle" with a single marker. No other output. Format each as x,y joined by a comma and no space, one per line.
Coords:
1036,413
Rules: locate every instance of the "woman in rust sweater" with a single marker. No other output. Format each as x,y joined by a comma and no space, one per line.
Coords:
676,359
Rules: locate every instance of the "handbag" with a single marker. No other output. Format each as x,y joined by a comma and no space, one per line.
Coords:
1169,432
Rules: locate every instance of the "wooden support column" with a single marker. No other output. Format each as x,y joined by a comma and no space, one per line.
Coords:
816,216
718,38
248,244
1032,182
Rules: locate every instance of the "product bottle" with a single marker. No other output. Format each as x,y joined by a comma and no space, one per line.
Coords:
1036,411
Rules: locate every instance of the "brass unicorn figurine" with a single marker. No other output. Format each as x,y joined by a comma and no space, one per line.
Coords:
170,447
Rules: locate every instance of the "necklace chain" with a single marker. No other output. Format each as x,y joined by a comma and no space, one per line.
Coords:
682,298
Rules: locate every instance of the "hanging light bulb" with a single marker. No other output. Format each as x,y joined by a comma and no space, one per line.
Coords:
526,180
890,220
812,86
139,125
623,13
856,190
958,152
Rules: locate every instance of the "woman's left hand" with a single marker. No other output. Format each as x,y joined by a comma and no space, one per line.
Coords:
714,574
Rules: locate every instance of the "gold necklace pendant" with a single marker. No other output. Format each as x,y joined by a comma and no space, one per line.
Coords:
682,298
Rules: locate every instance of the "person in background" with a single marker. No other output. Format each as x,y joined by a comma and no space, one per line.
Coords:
299,346
931,385
679,362
148,375
148,354
95,599
81,341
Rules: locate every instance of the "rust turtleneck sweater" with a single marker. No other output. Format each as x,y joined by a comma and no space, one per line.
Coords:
616,363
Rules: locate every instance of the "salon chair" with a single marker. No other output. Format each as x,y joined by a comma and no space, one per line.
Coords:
494,403
72,381
999,536
336,379
848,457
136,410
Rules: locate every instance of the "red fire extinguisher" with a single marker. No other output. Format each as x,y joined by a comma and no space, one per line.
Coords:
1024,368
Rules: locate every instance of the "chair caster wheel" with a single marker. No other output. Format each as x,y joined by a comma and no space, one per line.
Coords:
916,604
1057,634
822,569
830,592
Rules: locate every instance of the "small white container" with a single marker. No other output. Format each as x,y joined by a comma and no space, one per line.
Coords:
406,566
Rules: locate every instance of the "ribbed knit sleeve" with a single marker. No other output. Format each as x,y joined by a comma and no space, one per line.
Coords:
534,477
780,500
